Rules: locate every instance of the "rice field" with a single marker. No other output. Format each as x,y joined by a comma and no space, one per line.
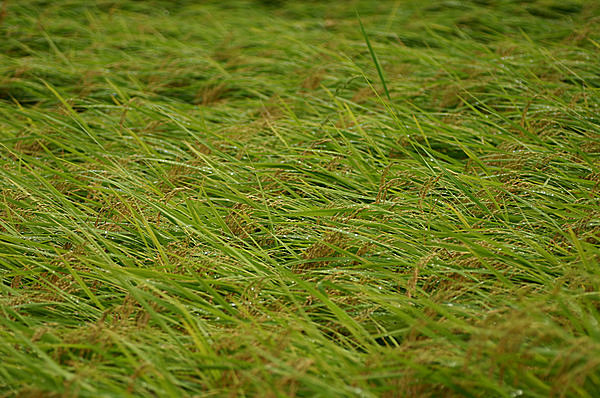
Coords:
300,199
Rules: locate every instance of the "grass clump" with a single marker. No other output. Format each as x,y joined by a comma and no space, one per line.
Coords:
265,199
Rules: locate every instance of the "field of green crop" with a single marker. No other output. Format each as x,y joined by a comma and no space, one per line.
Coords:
299,198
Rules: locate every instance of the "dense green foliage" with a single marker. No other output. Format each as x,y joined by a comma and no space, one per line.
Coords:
268,198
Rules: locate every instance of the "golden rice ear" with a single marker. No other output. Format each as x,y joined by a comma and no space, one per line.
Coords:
325,248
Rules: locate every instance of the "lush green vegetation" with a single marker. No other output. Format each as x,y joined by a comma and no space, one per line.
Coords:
267,199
